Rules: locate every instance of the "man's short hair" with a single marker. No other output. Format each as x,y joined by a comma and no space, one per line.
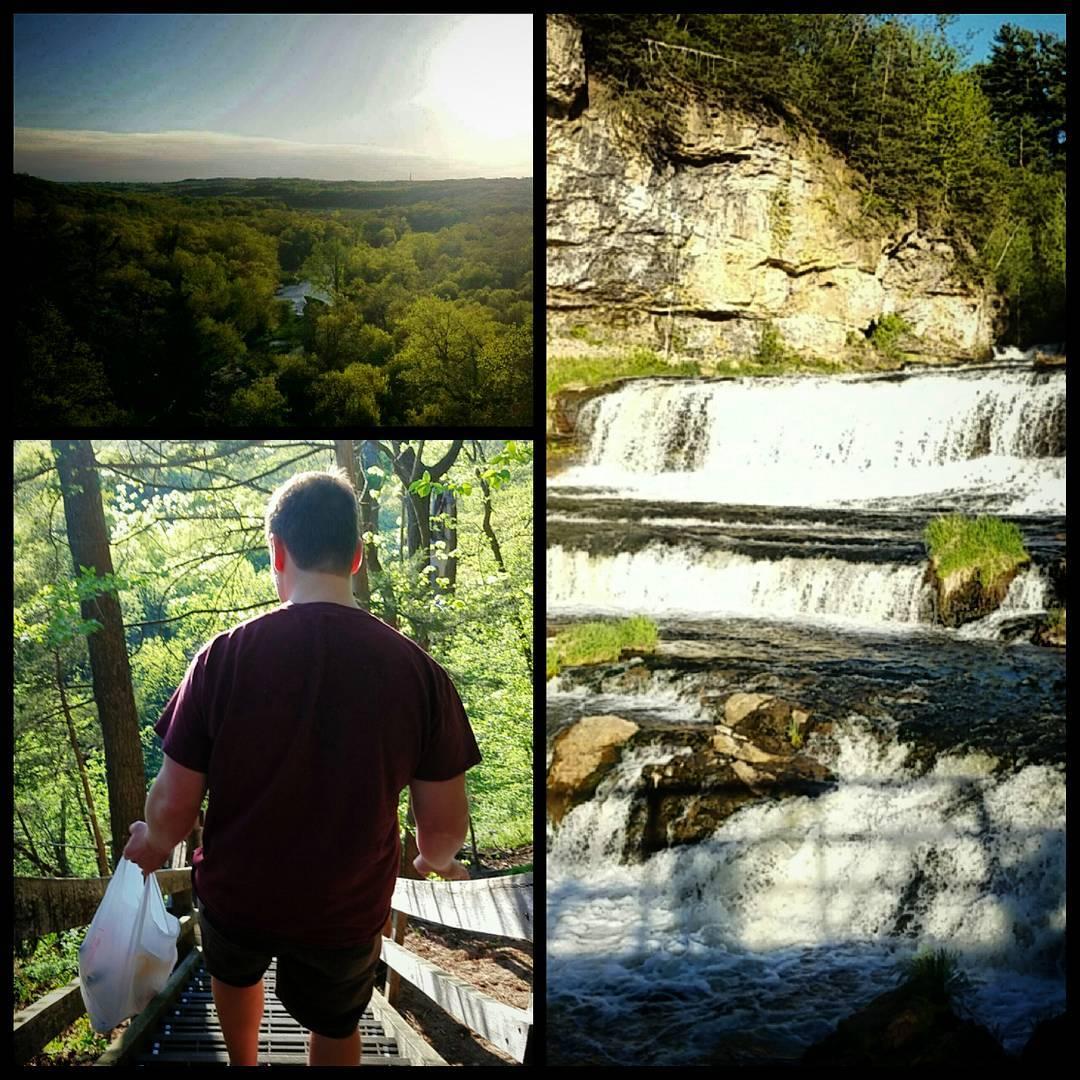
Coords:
314,515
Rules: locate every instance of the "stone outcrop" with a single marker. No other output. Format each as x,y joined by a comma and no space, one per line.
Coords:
581,756
905,1028
962,596
713,770
742,220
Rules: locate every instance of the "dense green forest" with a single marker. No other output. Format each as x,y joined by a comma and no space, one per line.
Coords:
977,151
448,545
155,303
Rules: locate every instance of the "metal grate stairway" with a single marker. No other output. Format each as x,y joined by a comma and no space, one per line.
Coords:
190,1034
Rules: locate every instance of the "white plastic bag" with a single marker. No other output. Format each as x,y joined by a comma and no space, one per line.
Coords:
129,951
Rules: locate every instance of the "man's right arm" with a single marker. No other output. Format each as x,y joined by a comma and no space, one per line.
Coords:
441,810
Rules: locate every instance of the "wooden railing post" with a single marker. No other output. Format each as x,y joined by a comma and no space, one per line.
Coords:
393,979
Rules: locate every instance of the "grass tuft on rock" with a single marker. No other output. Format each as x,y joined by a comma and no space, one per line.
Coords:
599,642
986,545
934,975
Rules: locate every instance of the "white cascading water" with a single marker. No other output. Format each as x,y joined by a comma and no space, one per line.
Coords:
996,436
757,941
797,909
666,579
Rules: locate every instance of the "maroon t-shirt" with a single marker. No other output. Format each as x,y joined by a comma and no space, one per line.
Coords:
309,721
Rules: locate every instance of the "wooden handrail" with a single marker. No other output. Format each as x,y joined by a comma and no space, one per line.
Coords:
501,906
501,1024
47,905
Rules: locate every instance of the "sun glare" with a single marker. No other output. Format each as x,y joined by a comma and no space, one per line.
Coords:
480,77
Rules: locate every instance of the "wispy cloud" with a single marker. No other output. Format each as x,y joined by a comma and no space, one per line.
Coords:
174,155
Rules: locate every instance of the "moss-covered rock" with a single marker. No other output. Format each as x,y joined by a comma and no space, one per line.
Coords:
1052,630
972,564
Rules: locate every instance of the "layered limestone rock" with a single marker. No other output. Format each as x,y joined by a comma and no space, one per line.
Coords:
753,754
743,221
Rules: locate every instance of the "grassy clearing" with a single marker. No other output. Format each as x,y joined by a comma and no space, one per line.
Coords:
597,642
593,370
789,364
772,356
989,546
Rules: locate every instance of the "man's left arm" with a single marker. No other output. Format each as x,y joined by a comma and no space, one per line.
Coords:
172,807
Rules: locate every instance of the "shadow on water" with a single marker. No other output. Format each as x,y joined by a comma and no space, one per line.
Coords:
692,976
748,947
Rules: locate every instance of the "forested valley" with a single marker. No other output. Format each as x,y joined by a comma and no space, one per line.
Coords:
132,555
977,151
411,303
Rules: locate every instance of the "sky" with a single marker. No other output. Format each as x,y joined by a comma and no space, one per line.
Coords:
332,97
977,31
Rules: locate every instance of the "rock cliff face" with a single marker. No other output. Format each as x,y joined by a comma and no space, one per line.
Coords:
745,221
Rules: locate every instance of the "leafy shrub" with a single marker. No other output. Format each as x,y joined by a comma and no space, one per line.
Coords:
772,350
887,335
52,961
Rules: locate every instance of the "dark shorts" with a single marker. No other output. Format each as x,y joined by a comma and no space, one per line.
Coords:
325,990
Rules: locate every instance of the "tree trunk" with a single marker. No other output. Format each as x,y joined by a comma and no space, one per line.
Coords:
369,523
99,842
61,844
343,454
445,529
88,538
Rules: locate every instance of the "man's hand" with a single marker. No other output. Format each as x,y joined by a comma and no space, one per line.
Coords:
141,851
453,871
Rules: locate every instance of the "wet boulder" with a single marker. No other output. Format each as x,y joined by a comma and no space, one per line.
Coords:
769,723
904,1027
963,596
581,756
686,799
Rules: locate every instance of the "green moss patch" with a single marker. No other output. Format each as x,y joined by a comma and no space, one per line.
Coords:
593,370
598,642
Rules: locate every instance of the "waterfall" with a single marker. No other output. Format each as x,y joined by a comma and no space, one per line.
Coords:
816,900
996,433
773,528
679,579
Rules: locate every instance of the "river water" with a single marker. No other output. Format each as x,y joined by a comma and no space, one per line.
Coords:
773,530
297,294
